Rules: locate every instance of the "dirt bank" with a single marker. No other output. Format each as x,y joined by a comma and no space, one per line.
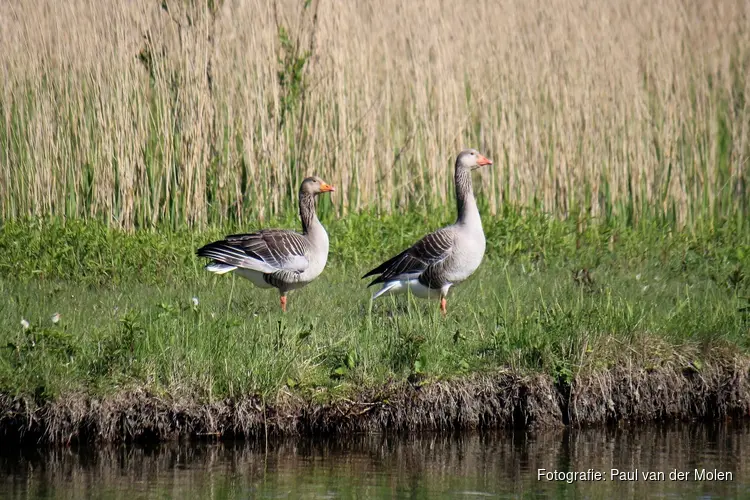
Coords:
624,393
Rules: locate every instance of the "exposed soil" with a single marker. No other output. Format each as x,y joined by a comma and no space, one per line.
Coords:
625,393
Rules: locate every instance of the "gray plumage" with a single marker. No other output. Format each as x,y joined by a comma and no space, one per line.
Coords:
445,257
278,258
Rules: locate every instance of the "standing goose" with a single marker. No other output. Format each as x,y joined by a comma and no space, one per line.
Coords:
446,256
277,258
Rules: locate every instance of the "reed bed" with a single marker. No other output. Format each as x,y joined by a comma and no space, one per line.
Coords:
150,112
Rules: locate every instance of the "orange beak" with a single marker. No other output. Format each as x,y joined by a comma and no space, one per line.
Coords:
326,188
483,160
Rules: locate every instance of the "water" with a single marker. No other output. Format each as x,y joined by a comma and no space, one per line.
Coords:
490,465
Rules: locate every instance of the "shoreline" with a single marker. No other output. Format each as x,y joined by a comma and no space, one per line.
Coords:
720,389
125,338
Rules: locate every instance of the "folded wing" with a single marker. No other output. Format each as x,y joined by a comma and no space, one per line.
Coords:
424,255
266,251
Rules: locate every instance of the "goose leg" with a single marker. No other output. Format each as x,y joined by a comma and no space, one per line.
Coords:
443,306
283,303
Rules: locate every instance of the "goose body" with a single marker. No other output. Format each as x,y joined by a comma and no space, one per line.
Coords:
444,257
277,258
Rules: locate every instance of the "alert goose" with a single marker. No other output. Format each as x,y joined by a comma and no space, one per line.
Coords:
445,257
277,258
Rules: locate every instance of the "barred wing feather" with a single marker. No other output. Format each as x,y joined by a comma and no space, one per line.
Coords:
266,251
426,254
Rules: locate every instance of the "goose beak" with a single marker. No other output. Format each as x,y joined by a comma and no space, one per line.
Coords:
326,188
483,160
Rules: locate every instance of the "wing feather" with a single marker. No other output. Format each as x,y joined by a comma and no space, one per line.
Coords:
425,254
267,251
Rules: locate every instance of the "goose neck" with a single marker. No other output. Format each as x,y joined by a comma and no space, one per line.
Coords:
307,212
468,213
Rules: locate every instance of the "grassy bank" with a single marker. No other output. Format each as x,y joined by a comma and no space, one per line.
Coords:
557,302
165,124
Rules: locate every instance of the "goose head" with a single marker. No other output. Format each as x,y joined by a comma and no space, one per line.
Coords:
315,185
471,159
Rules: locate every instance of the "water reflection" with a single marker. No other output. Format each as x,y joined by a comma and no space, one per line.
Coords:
503,464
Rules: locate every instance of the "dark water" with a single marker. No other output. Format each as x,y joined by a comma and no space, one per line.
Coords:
493,465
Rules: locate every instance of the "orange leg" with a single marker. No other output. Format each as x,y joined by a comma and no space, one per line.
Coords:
283,303
443,306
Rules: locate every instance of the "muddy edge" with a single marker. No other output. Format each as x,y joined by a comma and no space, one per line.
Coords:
624,393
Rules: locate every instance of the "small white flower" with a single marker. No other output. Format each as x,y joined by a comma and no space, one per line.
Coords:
25,324
55,318
195,301
638,277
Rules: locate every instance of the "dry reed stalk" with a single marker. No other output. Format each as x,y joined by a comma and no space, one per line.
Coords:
144,115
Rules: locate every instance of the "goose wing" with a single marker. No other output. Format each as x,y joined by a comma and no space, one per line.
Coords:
426,254
267,251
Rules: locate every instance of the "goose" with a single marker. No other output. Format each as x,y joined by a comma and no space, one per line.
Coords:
277,258
445,257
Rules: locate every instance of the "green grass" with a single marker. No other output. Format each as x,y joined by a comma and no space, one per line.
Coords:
128,319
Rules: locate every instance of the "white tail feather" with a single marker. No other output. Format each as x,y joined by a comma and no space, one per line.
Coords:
411,285
219,268
386,288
